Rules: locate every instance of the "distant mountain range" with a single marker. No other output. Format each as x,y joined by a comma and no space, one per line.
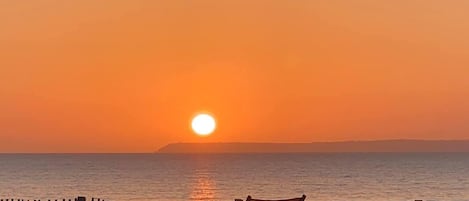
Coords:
345,146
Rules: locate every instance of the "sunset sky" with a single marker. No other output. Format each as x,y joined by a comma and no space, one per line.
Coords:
127,75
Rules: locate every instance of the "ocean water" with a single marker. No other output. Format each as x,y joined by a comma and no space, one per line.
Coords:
207,177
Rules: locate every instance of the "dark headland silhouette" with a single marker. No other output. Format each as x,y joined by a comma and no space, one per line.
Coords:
345,146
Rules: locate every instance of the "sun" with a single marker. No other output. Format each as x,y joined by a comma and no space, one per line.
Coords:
203,124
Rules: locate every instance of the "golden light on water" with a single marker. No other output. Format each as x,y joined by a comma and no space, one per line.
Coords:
204,188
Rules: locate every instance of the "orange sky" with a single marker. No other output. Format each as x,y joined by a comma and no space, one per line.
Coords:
126,76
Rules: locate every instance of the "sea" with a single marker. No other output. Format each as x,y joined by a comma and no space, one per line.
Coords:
220,177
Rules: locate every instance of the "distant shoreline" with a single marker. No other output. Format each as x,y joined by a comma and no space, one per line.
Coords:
391,146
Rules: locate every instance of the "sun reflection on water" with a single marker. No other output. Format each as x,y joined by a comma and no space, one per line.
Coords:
204,187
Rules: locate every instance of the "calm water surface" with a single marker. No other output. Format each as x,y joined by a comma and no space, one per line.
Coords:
207,177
